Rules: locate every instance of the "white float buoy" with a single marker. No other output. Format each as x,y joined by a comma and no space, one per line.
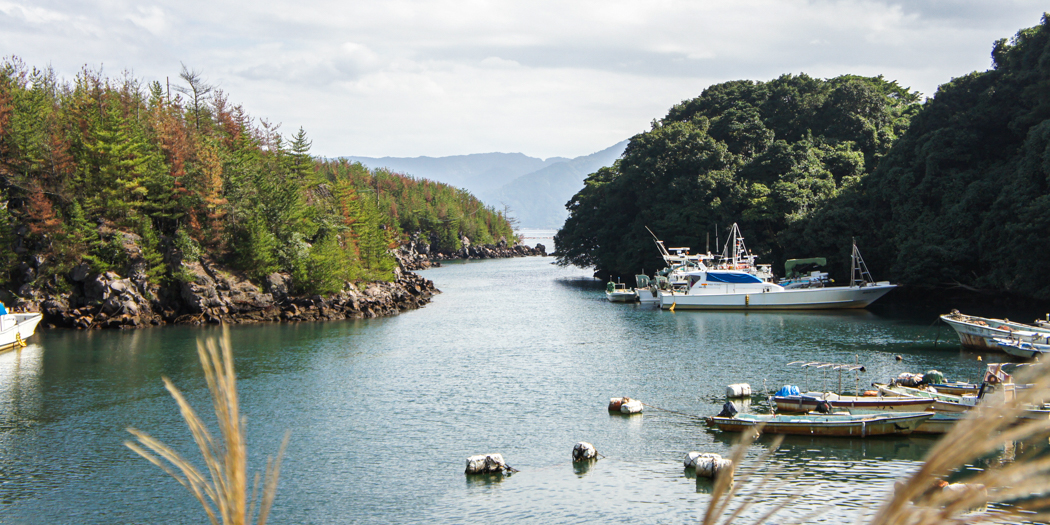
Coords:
584,451
631,406
486,464
707,464
738,390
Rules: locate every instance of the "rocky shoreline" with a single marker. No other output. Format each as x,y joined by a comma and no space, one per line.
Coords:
210,293
418,254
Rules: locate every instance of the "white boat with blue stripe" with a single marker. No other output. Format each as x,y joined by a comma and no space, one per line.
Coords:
731,289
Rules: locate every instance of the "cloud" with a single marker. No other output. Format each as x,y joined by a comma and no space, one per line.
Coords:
149,18
33,15
547,77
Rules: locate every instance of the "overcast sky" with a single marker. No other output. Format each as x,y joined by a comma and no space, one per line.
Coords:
545,78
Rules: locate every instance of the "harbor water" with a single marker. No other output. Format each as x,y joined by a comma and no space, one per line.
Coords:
516,356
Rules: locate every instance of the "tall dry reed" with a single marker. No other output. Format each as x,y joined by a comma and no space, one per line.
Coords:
223,492
1022,482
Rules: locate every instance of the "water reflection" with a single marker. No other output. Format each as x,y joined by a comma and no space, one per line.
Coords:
516,356
581,468
21,398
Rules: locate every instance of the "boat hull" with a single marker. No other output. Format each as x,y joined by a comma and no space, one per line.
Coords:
1021,349
826,425
879,403
940,423
16,327
647,295
942,402
839,297
982,337
957,389
621,297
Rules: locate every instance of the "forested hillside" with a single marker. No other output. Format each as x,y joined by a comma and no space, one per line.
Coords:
93,165
948,193
763,154
963,198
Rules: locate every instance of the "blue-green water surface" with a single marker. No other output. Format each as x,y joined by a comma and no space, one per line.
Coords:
516,356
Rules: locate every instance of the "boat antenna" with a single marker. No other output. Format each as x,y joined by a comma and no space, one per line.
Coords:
659,244
708,250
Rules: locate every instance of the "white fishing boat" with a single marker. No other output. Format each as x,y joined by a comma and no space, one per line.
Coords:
619,293
680,262
1021,348
980,332
647,290
738,289
15,328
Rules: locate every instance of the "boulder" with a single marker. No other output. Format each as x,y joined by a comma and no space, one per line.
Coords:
80,272
278,285
96,289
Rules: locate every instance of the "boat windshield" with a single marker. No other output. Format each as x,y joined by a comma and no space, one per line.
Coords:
732,278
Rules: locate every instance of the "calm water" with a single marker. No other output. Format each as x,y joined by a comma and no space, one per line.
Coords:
516,356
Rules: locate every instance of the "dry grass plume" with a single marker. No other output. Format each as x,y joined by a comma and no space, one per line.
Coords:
223,489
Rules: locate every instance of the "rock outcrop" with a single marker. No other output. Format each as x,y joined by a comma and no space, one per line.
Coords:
209,293
206,292
418,254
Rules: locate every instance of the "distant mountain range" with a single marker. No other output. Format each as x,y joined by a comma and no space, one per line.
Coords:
535,190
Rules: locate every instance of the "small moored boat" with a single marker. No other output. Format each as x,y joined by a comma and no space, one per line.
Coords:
860,425
15,328
647,290
619,293
1023,349
958,388
893,403
980,332
942,402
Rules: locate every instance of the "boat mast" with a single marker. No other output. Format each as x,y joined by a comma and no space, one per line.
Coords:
737,240
859,275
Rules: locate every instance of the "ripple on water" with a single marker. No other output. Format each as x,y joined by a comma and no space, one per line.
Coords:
515,356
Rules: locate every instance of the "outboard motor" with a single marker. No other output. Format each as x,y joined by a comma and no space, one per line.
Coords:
824,407
728,410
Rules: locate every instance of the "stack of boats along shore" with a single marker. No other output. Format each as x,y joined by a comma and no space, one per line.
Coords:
732,281
910,403
919,403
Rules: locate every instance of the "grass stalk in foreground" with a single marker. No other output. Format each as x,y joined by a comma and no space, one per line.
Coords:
223,490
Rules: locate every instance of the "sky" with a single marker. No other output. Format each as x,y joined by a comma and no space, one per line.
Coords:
546,78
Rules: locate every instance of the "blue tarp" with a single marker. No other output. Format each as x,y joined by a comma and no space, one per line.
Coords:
3,309
789,390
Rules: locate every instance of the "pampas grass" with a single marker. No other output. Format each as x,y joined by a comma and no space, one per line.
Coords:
223,490
1022,484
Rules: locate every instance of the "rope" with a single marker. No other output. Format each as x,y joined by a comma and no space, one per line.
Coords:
674,412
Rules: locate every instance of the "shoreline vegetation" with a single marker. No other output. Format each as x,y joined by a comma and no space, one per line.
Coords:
944,194
127,203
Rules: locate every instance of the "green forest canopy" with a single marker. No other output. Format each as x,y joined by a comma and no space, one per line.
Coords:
953,191
762,154
188,169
